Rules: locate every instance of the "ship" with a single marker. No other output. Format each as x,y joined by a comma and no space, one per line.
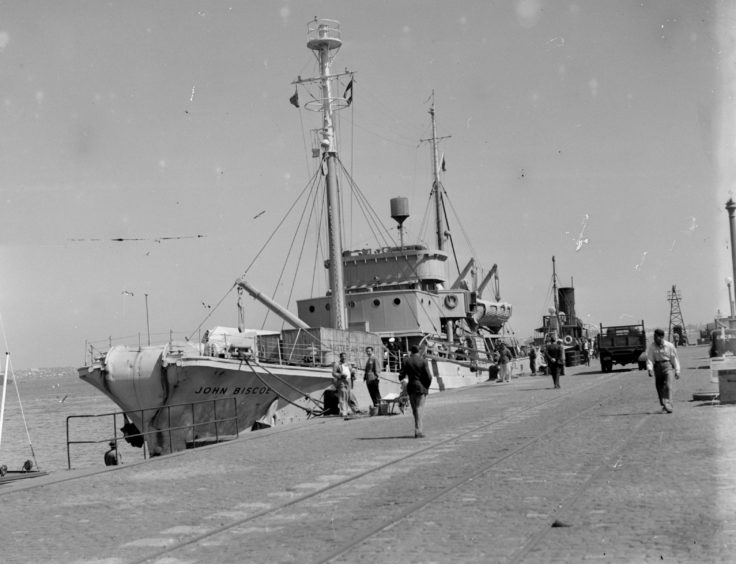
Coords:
391,297
561,322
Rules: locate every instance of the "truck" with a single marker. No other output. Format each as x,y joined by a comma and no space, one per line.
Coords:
622,344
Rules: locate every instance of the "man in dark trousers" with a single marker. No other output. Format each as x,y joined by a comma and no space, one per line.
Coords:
662,361
416,370
371,377
553,354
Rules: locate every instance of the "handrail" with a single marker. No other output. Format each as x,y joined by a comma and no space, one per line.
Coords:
143,433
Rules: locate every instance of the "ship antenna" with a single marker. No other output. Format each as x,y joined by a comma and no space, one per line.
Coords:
554,296
436,184
324,38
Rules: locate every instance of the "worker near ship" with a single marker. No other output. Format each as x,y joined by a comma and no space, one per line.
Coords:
342,376
415,370
504,360
371,377
112,456
554,355
532,359
661,362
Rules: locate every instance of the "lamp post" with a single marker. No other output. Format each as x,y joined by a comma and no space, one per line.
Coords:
729,280
731,208
148,326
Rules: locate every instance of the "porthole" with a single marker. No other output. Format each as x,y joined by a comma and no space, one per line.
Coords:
376,302
311,309
351,304
451,301
397,301
327,306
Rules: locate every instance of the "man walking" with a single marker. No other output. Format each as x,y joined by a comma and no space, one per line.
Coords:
554,355
661,361
416,370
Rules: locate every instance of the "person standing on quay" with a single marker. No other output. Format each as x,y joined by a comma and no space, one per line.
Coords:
371,377
555,360
532,359
341,375
661,361
504,358
416,370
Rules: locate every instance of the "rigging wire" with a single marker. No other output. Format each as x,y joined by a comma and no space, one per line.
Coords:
309,198
17,391
443,194
374,221
318,245
211,312
301,254
424,227
305,190
304,139
459,223
382,108
282,396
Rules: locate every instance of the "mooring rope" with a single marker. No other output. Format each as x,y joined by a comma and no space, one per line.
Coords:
282,396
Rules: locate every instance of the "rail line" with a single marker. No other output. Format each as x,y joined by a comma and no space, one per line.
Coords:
535,538
414,507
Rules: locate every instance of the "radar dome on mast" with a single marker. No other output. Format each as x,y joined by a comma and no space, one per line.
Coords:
399,213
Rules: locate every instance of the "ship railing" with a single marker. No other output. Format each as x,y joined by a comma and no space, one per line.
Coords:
204,416
95,350
305,349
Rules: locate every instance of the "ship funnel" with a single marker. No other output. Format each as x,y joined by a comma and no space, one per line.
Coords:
399,213
566,298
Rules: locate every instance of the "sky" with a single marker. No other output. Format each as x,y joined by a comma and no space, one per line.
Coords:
598,132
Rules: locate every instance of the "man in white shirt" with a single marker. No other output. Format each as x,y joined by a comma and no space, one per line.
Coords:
661,361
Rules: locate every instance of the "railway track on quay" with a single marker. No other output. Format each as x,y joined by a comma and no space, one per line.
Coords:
515,476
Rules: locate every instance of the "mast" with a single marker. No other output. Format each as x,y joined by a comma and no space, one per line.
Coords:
554,295
323,37
436,183
5,387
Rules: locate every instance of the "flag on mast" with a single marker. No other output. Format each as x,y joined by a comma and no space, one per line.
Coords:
348,95
295,98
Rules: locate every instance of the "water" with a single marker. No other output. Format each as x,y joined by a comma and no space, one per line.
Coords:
48,396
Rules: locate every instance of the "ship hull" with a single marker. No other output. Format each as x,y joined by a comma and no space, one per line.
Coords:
177,401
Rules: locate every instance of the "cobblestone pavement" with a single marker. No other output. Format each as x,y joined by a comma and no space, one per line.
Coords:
502,463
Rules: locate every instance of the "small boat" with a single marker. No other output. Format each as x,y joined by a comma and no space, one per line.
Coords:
562,322
389,298
28,469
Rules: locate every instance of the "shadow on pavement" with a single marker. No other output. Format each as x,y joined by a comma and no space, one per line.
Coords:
384,438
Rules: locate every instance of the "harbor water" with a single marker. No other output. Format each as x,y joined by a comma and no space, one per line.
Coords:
47,397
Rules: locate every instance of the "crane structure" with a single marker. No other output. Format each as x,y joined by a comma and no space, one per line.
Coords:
676,328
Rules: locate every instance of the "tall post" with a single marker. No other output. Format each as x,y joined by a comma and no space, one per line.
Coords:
436,184
148,326
554,295
730,301
324,36
5,387
731,208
